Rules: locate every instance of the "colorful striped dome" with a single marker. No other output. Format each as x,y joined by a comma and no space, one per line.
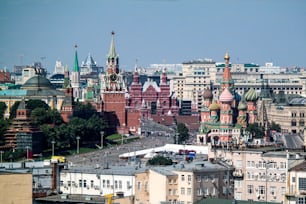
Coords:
251,95
226,96
214,106
207,94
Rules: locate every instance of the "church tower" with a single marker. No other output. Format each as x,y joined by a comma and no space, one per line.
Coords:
75,76
227,81
67,107
113,89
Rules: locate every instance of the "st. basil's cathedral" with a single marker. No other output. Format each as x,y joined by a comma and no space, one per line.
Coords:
224,118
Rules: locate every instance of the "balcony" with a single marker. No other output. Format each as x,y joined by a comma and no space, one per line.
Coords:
238,173
291,191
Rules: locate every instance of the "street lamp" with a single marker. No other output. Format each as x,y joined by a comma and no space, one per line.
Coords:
53,142
78,141
176,138
27,147
1,152
102,134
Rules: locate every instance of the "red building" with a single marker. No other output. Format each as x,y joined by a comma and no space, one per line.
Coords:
149,100
124,108
113,92
5,76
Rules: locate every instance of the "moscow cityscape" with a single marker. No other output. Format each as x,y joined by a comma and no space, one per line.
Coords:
152,102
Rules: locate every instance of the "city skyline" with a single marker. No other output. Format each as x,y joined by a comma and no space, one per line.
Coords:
152,31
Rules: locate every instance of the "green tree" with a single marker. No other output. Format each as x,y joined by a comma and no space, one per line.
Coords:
276,127
84,111
42,116
183,133
159,160
35,103
14,109
256,130
4,124
94,125
2,109
77,128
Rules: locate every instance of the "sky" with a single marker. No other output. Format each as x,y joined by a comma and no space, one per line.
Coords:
152,31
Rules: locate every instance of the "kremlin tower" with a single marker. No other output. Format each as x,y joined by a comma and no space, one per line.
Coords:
113,90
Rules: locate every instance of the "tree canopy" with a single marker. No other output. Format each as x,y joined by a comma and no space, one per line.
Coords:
275,126
183,133
160,160
2,109
256,130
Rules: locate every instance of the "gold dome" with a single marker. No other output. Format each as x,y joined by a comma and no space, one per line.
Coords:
226,57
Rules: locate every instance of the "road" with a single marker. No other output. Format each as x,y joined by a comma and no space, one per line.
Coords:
110,155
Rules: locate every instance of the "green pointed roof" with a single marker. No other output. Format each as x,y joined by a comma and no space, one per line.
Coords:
76,67
112,52
242,105
251,95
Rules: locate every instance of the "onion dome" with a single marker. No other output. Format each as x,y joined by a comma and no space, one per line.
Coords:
251,95
226,96
214,106
242,105
226,57
207,94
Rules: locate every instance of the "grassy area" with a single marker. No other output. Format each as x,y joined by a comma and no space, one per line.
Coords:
115,137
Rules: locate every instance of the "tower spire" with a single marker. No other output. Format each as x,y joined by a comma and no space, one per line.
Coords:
227,74
76,61
112,50
113,58
227,77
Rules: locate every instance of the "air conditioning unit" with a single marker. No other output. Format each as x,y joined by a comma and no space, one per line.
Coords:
88,187
88,198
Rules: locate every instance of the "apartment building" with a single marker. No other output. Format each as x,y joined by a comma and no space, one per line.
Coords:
184,183
196,76
116,180
296,186
16,187
260,174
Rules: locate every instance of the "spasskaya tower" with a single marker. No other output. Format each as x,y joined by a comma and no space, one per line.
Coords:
113,89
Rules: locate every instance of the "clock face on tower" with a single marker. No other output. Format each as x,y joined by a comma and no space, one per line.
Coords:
113,77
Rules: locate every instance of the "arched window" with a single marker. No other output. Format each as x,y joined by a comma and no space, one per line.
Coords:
293,122
302,123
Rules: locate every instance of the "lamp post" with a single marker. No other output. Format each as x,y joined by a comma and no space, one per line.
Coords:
52,142
176,137
78,141
27,147
1,152
102,134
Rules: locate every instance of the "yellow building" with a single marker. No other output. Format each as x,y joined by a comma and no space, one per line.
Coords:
15,188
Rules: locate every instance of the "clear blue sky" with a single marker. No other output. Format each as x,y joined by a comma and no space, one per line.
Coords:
153,31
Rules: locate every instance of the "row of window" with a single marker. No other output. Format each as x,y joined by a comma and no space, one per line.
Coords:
294,114
262,165
261,190
105,184
294,123
188,178
264,177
